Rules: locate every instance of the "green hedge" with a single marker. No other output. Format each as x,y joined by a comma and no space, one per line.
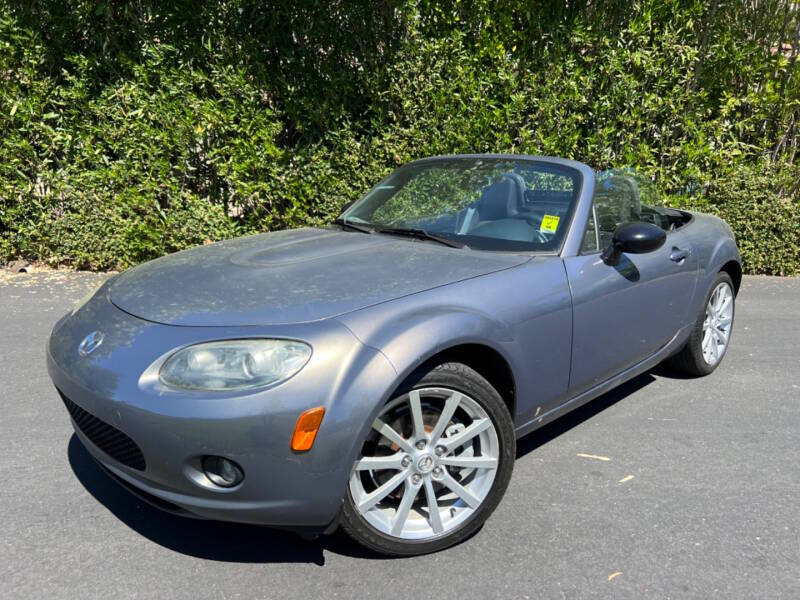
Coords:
138,130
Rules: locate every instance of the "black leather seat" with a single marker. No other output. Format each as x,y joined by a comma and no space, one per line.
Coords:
498,211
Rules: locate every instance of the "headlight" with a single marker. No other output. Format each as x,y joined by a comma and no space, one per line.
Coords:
234,364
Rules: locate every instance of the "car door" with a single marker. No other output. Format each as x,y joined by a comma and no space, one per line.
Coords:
626,312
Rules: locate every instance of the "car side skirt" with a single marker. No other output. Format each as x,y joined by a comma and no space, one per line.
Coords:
641,367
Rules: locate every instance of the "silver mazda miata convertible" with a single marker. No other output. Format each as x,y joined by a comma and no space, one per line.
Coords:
375,374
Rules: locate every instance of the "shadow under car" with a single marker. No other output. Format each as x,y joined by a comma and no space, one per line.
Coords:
244,543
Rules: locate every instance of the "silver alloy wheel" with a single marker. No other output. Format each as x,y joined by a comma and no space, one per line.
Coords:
446,466
717,324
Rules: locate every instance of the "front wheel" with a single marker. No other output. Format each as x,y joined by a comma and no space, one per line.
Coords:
434,466
711,335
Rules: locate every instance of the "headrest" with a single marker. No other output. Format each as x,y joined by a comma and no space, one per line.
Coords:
501,199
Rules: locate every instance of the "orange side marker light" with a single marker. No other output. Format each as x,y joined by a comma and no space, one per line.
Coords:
305,432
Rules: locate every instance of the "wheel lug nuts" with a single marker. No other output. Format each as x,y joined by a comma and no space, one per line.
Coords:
416,479
420,444
437,471
439,450
406,461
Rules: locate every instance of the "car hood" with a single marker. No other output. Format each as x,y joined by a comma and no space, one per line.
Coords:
292,276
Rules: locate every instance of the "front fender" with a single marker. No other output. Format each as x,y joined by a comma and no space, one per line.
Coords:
410,340
523,314
414,337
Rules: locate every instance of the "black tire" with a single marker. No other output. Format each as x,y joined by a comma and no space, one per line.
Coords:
461,378
690,359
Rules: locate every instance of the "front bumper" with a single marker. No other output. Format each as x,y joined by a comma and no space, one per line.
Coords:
174,430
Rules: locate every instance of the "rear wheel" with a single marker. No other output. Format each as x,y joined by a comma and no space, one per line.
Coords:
434,466
711,335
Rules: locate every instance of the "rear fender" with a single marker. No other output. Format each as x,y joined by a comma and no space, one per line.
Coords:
723,251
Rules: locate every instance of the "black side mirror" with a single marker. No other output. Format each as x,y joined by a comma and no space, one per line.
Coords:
634,238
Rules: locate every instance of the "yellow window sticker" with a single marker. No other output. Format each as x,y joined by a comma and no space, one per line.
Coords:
549,224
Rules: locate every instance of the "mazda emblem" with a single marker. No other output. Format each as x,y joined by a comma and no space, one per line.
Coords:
90,343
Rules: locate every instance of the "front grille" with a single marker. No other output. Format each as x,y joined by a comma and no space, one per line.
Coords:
106,437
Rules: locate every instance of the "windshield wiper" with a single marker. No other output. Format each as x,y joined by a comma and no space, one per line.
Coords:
348,225
421,234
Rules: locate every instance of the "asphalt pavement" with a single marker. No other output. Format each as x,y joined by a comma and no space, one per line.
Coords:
664,488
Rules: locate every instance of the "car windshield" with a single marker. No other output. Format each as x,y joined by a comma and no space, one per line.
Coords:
502,204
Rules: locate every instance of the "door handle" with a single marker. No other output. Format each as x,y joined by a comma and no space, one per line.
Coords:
678,255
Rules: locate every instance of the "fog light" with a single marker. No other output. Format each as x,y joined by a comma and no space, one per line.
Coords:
222,472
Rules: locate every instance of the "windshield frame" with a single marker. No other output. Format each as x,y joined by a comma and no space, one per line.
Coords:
578,171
